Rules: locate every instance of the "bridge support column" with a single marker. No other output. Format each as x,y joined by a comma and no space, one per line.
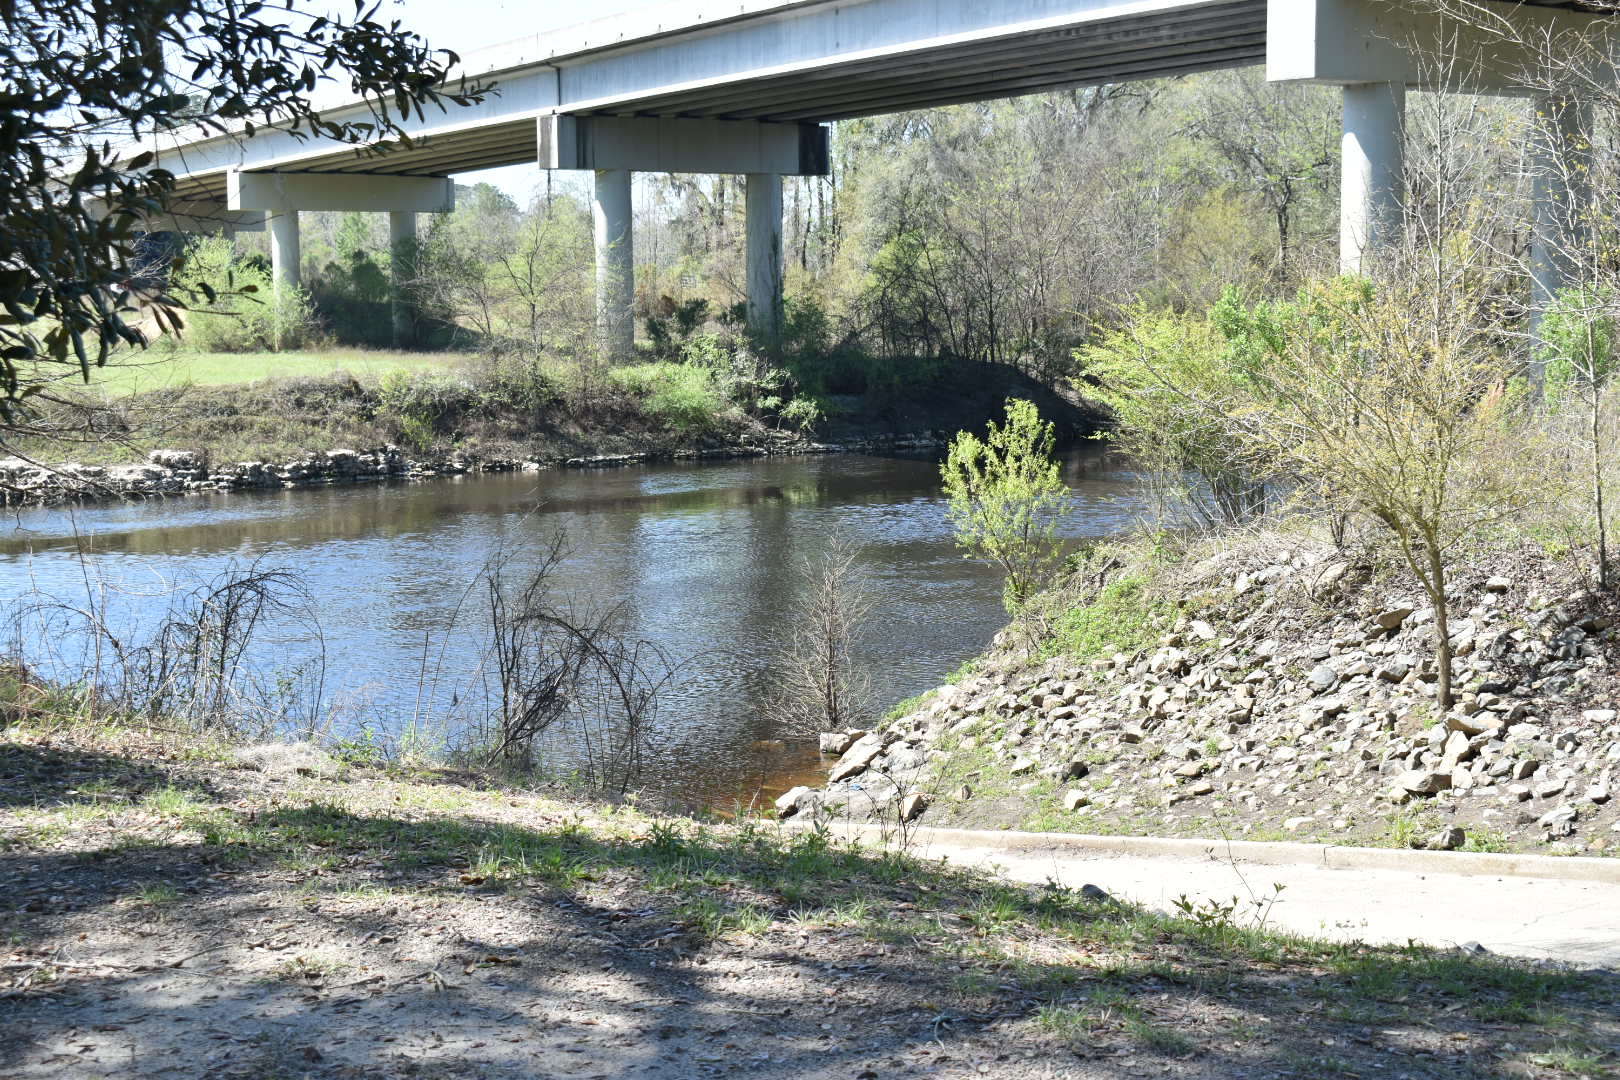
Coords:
1561,191
402,274
615,265
1370,192
764,256
284,254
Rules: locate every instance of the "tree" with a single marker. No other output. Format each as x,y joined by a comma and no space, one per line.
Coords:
1578,357
1176,392
1007,499
1280,140
81,81
1396,403
820,688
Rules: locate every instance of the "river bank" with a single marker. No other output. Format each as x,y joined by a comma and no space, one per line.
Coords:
340,429
1270,687
180,908
181,472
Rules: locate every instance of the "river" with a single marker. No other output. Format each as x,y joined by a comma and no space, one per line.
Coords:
703,559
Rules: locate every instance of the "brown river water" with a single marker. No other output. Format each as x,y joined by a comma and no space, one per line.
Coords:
702,557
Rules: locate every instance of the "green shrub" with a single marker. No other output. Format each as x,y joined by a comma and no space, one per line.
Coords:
1178,389
1007,499
1123,616
688,397
422,405
803,413
250,314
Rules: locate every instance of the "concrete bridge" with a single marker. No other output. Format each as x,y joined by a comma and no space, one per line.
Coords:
748,86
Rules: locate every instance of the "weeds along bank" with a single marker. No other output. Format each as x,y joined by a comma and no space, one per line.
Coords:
1269,689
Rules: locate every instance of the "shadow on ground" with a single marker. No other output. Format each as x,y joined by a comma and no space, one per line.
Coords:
380,928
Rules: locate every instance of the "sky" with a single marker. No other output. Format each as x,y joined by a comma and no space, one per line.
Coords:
468,25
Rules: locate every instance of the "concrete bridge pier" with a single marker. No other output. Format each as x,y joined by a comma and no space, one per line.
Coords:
281,195
284,250
402,273
1371,187
616,147
764,256
1561,193
613,219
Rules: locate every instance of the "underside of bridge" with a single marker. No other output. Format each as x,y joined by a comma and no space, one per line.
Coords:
749,89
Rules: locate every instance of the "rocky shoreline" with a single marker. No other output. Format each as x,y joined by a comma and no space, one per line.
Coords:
182,472
1289,697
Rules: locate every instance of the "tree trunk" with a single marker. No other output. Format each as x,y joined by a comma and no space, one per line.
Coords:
1442,625
1597,491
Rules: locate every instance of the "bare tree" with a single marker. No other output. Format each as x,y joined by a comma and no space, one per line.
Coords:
821,685
1278,140
581,679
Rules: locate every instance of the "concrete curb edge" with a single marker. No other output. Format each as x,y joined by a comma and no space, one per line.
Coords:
1253,852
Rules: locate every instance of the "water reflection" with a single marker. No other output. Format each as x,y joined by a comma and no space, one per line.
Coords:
702,557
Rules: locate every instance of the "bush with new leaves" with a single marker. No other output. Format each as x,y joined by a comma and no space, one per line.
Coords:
248,313
1008,498
1176,389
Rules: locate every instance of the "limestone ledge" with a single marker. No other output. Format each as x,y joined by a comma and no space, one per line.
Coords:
181,472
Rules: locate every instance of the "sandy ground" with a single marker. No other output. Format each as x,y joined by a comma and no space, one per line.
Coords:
197,921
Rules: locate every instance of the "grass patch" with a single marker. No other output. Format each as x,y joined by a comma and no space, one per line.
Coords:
155,894
688,397
1124,616
154,369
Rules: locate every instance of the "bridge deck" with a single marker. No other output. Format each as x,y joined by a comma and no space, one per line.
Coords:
779,61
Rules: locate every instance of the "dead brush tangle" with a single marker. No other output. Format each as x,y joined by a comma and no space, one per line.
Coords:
172,909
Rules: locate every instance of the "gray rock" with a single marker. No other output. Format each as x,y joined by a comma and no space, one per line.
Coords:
912,806
1074,799
1457,749
790,801
1392,618
835,743
1550,788
856,758
1322,678
1394,671
1423,781
1448,839
1559,821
